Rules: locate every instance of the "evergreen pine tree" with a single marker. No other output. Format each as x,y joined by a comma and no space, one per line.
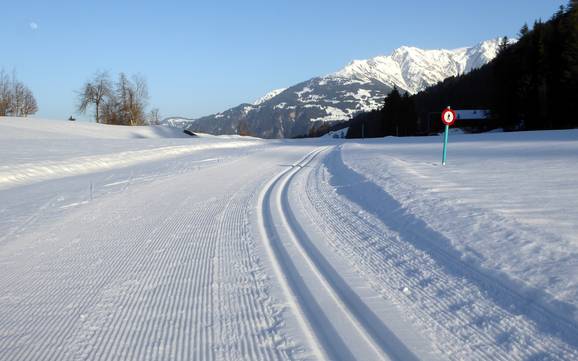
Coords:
503,45
523,31
390,112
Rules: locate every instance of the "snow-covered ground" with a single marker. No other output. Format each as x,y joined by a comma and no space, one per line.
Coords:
124,243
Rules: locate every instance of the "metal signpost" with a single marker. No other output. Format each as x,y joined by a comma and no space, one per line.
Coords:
448,118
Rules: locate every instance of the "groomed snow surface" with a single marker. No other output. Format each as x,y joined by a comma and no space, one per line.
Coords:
124,243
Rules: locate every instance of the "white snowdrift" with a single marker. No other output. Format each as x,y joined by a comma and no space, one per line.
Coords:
506,202
35,128
62,149
35,172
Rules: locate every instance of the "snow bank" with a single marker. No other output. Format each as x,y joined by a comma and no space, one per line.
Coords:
507,202
36,150
35,128
40,171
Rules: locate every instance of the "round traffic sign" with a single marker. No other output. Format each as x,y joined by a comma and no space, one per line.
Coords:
448,116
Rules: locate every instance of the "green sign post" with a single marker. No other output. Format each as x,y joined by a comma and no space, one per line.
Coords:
448,118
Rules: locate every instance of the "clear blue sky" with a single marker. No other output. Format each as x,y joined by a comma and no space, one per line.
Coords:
200,57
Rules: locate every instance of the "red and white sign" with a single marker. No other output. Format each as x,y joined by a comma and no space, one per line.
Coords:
448,116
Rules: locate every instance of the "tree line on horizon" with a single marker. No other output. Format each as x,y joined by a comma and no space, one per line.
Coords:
530,85
16,99
122,102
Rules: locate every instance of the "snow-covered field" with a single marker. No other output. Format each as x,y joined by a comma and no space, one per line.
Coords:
124,243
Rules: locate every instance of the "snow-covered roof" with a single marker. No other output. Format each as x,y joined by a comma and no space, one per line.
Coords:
472,114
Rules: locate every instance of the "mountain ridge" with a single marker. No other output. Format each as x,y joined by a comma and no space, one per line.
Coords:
360,86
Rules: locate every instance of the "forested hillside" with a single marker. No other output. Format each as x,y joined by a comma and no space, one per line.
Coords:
532,84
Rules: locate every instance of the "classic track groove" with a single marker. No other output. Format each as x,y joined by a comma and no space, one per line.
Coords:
343,314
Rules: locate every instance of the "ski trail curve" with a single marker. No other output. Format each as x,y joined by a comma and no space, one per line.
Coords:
334,318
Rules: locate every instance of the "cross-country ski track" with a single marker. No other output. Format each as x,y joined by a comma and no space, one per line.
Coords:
340,324
274,250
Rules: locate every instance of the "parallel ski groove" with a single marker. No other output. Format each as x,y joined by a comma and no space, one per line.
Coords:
322,271
280,269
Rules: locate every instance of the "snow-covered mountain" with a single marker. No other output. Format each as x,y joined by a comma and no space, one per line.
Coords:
412,69
176,122
271,94
360,86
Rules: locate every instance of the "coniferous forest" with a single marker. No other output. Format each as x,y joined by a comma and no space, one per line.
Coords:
532,84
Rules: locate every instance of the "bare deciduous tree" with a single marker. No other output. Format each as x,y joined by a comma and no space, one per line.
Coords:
132,97
16,99
29,105
95,92
110,113
5,94
123,103
18,91
154,117
139,100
